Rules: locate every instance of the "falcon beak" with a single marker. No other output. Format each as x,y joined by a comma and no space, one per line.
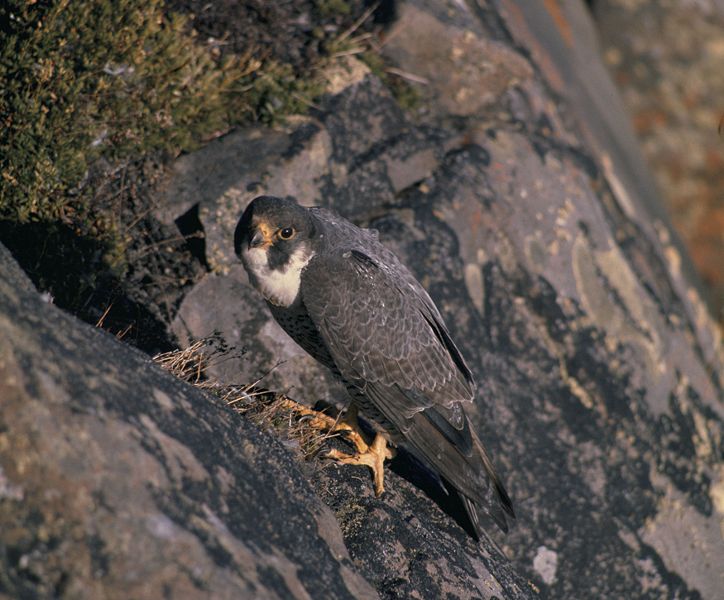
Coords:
262,237
256,240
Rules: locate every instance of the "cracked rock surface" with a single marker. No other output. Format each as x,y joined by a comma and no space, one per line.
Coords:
515,192
119,481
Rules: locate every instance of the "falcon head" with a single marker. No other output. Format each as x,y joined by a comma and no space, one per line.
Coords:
274,239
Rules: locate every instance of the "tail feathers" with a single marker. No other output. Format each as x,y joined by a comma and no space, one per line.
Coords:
495,503
442,439
492,508
472,513
465,466
479,530
498,501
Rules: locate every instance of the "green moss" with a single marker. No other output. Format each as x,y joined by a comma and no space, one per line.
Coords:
90,80
277,91
328,8
92,87
406,95
90,91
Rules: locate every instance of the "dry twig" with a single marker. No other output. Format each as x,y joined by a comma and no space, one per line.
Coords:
266,408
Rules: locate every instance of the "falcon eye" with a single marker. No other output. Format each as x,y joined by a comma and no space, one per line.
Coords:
287,233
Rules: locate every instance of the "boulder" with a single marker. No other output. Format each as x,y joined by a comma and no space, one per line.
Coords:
118,480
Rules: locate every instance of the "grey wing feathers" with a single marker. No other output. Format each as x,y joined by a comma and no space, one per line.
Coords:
379,331
387,337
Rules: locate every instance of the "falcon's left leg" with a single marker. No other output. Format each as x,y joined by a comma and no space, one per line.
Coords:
372,455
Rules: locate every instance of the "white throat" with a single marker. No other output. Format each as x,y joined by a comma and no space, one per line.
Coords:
278,286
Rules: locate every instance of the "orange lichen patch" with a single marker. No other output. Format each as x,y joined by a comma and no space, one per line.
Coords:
564,27
715,159
648,120
515,19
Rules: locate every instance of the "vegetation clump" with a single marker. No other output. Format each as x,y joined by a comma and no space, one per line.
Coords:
266,408
94,96
84,81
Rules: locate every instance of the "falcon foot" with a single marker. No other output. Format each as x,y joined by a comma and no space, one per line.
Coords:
373,455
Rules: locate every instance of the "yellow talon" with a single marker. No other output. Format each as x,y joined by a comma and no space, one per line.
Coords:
372,456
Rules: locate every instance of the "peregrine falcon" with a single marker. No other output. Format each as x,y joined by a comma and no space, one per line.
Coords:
349,302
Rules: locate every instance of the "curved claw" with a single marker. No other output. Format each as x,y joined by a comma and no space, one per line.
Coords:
374,458
371,455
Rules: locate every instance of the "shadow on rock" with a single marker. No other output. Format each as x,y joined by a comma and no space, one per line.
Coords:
73,272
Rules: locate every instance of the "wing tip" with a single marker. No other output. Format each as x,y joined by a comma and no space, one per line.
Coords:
504,501
498,514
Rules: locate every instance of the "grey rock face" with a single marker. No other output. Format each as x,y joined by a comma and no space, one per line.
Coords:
666,60
516,195
119,481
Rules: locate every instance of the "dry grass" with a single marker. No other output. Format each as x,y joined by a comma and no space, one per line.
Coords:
267,408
